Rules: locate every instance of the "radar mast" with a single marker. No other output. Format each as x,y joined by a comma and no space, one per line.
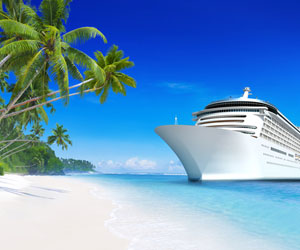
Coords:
247,92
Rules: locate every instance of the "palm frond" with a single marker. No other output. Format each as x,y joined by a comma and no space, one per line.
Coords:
65,46
34,20
52,11
117,86
41,111
78,57
16,62
3,15
18,47
14,28
126,79
113,55
8,40
55,12
98,91
104,94
82,34
49,33
100,59
66,12
93,84
123,64
89,75
73,70
60,69
110,68
30,71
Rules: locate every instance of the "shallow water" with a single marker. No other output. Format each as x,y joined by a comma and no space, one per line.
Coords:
168,212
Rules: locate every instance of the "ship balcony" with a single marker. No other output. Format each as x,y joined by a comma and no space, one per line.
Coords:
246,129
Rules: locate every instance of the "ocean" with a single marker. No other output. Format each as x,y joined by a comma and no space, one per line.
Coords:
168,212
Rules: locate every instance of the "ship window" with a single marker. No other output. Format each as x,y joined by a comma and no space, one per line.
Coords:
234,126
278,151
223,116
220,121
291,155
228,110
246,132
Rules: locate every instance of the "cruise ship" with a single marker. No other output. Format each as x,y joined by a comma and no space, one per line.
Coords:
237,139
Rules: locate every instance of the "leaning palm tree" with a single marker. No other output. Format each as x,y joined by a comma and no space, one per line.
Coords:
60,137
40,48
112,64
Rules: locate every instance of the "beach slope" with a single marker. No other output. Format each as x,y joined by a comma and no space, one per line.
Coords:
54,212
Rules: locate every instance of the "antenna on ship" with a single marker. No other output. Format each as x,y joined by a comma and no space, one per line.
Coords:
247,91
176,120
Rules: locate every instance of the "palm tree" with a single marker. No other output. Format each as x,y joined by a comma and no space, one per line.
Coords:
112,64
60,137
38,48
37,130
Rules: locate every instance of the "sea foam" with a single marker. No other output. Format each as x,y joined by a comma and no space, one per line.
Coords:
160,212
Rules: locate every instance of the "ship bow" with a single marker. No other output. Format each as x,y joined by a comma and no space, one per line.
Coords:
212,153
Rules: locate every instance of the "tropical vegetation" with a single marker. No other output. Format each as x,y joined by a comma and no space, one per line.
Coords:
36,49
77,166
40,159
60,137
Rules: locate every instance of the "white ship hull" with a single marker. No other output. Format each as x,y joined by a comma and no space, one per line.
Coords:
219,154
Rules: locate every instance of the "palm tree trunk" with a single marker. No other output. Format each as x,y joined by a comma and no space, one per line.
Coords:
4,60
15,152
11,104
9,151
5,141
13,141
8,135
50,94
47,102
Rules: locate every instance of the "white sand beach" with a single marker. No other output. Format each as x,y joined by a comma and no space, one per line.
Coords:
53,213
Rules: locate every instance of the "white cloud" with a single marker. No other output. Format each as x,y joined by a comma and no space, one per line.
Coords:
137,164
184,87
179,86
109,165
134,164
175,167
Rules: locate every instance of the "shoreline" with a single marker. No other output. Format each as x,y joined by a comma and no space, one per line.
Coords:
151,217
61,212
35,210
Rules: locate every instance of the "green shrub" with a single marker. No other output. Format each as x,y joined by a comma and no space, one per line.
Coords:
1,170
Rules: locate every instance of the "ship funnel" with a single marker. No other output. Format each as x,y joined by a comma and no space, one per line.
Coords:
176,120
247,91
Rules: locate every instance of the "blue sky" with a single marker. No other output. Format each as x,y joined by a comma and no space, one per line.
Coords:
186,54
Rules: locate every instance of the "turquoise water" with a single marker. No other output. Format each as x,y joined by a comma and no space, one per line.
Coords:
173,213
